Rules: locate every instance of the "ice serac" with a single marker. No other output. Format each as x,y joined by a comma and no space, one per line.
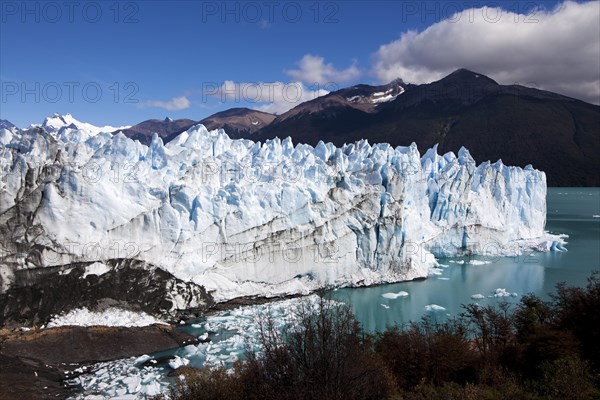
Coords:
243,218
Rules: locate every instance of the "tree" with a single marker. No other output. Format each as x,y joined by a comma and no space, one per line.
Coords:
576,310
492,330
427,352
322,354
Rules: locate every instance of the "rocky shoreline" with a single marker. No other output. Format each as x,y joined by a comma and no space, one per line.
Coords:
35,363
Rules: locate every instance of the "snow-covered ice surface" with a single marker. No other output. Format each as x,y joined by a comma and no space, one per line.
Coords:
96,268
109,317
244,218
384,97
230,333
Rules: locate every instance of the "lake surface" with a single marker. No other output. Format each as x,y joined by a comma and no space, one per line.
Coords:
571,211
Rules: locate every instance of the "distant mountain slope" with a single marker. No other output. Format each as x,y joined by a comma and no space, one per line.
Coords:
167,129
363,98
519,125
238,122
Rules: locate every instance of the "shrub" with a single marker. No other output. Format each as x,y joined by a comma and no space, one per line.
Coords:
205,384
492,330
576,310
568,378
427,352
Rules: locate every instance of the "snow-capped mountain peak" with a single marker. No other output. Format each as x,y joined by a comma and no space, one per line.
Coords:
56,122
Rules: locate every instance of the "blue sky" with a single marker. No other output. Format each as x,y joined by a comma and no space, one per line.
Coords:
119,63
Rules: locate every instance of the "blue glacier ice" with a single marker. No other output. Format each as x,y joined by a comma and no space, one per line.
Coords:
244,218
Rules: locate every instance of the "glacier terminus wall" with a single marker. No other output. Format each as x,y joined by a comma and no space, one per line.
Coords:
242,218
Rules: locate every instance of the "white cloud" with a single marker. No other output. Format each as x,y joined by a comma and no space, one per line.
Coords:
556,50
273,97
312,69
175,104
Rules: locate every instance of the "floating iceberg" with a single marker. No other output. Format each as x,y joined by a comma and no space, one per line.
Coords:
501,292
434,307
395,295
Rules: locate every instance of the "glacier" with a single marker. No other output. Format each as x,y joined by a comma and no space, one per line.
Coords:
241,218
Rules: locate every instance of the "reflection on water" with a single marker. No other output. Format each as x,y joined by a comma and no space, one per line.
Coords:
572,211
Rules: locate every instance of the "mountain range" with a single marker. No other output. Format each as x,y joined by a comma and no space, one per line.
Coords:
520,125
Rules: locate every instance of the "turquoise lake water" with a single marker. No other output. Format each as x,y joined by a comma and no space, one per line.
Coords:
571,211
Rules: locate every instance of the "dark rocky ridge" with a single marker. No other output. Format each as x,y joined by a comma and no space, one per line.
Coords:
166,129
93,344
238,122
18,380
37,294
